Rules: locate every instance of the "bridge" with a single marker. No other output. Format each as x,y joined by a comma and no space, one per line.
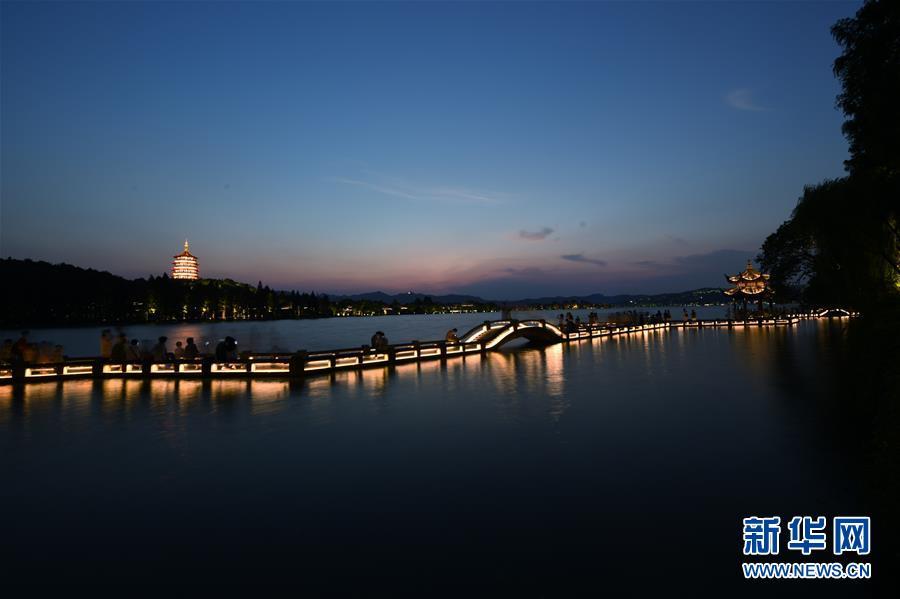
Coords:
489,336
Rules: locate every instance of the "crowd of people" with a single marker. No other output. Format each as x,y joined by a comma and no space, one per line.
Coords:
116,348
23,350
119,348
569,324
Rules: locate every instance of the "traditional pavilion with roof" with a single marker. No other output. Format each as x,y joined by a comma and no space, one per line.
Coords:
185,265
749,284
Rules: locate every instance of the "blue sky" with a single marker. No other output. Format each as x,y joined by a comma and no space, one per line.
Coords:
504,149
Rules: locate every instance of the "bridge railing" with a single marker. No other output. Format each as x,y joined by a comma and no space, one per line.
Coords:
263,363
486,336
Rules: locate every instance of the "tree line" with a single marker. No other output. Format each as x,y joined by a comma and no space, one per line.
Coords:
841,244
40,293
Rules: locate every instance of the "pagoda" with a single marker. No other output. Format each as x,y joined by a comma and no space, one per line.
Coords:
749,284
185,265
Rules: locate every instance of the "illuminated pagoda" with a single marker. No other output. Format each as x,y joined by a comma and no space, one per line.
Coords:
185,265
749,285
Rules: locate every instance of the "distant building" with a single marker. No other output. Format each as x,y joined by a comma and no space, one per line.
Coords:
750,284
185,265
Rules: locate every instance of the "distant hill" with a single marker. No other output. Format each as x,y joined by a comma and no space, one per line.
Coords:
410,298
40,293
706,295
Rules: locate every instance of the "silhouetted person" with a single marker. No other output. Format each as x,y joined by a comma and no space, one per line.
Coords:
133,353
226,350
19,347
693,315
191,351
44,352
451,336
29,354
6,350
119,351
159,353
179,351
106,343
379,341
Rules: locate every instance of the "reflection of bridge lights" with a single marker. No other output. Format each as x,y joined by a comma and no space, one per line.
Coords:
160,392
374,380
491,336
554,375
188,393
428,367
268,397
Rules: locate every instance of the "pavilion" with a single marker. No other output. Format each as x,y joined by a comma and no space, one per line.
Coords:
750,284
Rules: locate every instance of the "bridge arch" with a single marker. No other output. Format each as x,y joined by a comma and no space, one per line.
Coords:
498,333
833,312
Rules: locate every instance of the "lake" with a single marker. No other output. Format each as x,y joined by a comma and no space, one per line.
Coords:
311,335
530,471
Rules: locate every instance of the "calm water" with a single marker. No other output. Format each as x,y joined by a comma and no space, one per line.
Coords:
312,335
533,471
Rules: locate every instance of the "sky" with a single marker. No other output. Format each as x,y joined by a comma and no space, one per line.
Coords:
504,149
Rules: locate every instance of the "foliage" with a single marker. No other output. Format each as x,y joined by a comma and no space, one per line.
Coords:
869,72
837,246
842,242
63,294
46,293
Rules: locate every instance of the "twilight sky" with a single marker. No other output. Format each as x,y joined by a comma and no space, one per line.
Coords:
504,149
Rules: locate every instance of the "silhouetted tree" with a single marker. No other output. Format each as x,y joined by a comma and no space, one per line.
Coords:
842,242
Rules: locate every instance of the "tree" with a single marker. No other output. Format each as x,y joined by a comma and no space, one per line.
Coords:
819,255
842,242
869,72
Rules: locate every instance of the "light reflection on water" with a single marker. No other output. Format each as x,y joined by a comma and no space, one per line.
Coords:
313,335
507,377
509,453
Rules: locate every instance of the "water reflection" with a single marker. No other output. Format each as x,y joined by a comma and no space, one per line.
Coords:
504,376
314,334
76,405
516,452
508,377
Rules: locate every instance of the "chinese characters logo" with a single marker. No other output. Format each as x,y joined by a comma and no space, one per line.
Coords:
850,534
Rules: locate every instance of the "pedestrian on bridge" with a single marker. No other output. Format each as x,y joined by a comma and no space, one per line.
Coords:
191,351
106,343
379,341
119,351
